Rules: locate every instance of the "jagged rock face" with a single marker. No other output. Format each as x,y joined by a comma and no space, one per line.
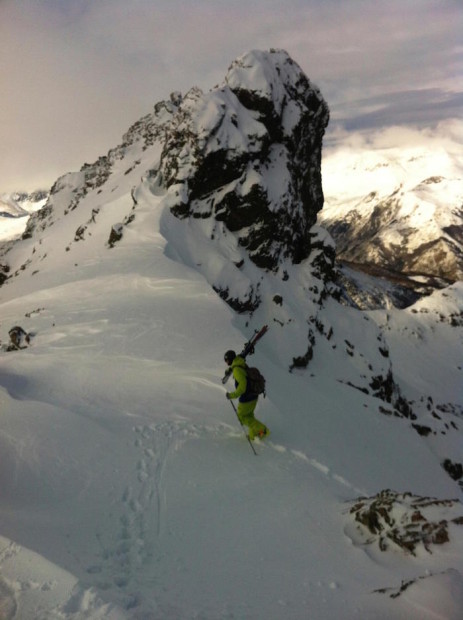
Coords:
70,189
248,154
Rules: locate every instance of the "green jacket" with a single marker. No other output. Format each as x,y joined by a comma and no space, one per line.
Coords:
241,382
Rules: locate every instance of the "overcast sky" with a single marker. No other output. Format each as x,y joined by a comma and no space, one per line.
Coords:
75,74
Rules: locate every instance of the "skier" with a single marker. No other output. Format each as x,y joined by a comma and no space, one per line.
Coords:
247,399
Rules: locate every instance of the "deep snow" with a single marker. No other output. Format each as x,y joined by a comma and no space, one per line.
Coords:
128,489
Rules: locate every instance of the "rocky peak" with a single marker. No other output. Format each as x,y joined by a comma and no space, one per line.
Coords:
241,164
248,154
70,189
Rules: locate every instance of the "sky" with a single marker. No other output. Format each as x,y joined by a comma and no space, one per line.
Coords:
76,74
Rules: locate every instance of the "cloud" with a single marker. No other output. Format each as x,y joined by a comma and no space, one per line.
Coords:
79,73
445,132
419,108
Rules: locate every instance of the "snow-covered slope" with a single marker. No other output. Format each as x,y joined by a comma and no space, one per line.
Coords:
397,203
128,489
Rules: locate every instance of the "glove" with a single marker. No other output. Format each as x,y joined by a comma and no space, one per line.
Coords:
227,395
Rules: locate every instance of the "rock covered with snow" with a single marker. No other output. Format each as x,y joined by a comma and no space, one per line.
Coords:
405,521
238,168
245,156
70,189
19,338
248,154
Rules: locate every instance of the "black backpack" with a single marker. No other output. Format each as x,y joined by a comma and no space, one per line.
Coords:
255,379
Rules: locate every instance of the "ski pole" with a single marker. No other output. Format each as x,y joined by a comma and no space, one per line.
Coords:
242,426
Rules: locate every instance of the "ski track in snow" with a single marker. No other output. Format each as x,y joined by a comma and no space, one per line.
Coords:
124,561
142,507
324,469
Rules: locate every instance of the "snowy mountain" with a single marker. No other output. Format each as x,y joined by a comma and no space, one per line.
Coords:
397,212
21,204
10,208
15,209
128,489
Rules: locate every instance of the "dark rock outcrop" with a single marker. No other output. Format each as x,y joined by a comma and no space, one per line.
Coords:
248,155
115,235
19,338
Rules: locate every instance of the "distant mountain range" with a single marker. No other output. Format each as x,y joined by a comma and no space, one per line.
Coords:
397,213
15,210
22,204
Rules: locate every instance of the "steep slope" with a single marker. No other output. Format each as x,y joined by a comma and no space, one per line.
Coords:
127,487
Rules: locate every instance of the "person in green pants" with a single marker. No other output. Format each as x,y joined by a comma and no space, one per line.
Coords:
247,399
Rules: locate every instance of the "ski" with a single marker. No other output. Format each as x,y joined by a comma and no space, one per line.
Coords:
248,349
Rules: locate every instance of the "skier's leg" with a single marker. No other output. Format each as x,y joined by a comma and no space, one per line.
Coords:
257,428
246,415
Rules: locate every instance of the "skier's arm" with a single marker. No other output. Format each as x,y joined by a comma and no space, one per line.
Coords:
239,375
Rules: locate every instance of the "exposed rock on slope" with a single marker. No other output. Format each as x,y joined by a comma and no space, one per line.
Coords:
248,154
405,521
70,189
382,232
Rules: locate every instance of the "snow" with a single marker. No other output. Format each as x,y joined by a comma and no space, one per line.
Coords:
217,114
252,72
128,490
438,594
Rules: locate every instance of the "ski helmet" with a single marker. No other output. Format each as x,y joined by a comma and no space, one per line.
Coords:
229,356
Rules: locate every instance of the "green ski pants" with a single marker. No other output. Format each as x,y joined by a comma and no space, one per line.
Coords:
245,413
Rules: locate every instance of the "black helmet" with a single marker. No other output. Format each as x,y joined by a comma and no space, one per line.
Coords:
229,356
